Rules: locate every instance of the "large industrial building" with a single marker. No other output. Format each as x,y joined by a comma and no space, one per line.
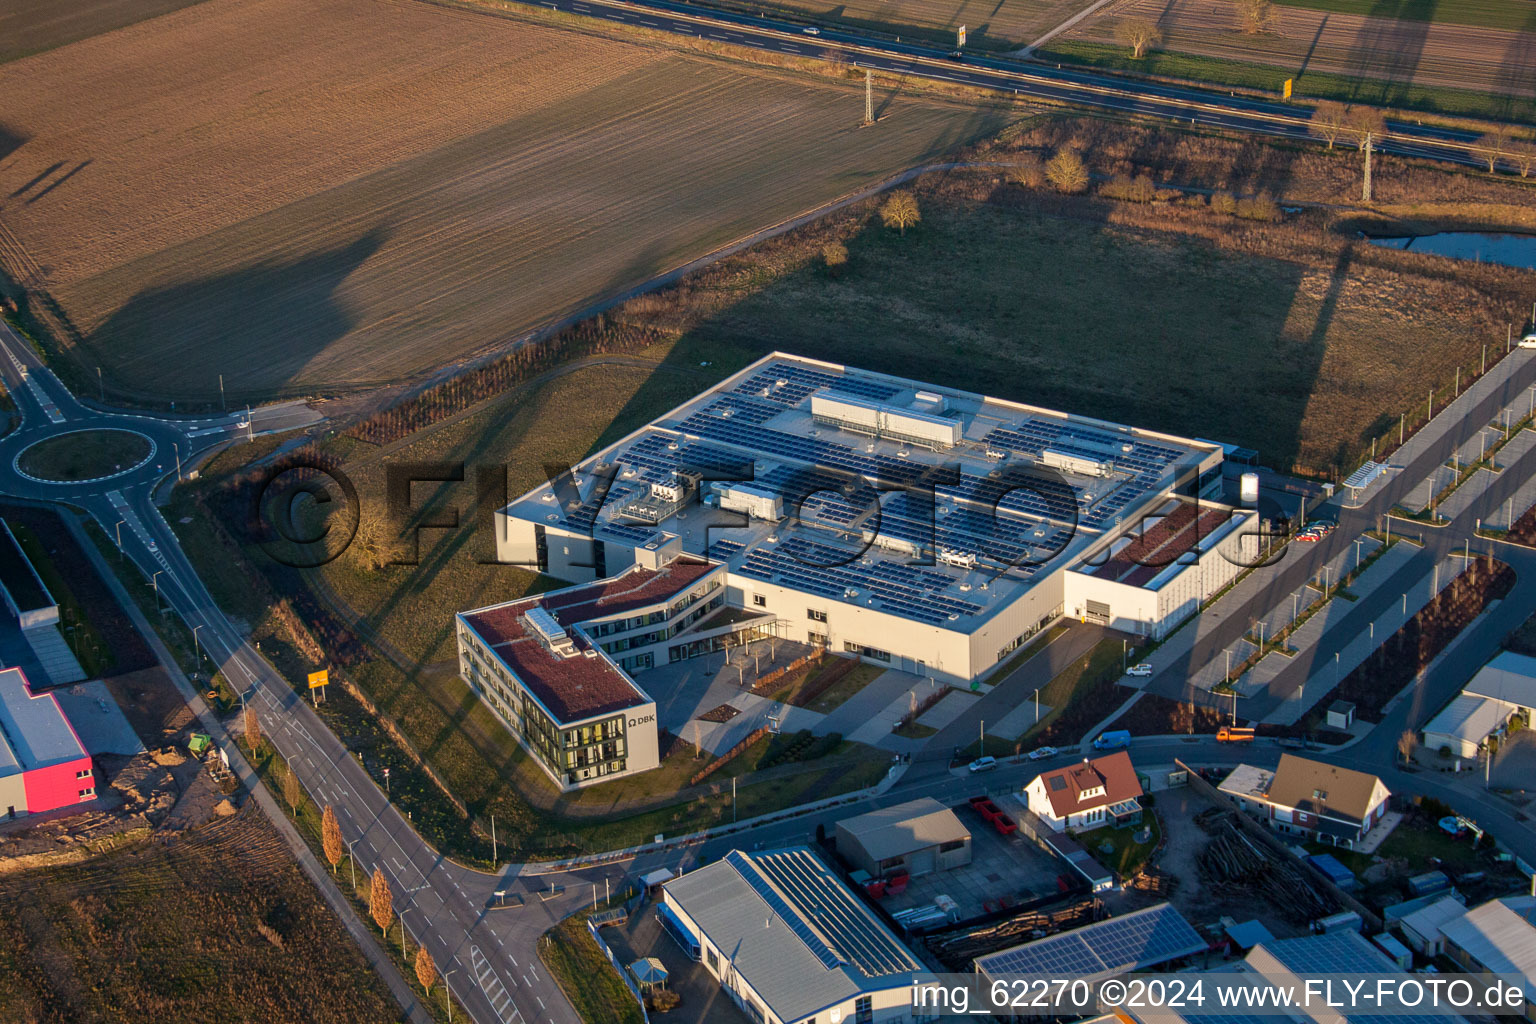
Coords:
923,528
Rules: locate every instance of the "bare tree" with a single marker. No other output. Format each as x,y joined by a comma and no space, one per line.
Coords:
1256,16
252,728
1406,742
1139,34
293,790
380,907
1524,155
1067,172
1491,148
900,211
426,970
1329,120
330,837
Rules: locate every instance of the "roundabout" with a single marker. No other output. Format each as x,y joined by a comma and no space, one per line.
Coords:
85,456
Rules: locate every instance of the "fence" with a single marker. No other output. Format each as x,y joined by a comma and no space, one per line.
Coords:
629,982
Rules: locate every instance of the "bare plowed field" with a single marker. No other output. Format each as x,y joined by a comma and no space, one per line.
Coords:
381,187
1396,52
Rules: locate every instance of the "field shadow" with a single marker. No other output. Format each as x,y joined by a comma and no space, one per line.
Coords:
1025,296
1386,51
249,311
10,140
1517,72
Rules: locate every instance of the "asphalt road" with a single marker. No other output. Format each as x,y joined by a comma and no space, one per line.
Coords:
1025,78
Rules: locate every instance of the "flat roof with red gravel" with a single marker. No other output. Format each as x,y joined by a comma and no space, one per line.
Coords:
581,686
1169,539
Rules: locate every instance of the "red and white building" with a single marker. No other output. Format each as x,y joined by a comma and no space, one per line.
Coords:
1103,791
43,764
1310,798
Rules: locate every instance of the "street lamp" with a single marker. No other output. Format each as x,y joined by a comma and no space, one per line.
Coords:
155,582
352,862
119,529
448,992
1037,705
197,650
402,930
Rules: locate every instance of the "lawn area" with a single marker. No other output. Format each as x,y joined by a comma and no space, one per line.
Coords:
588,979
1070,696
1128,855
833,697
85,455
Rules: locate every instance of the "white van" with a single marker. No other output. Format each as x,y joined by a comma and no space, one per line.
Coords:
1529,341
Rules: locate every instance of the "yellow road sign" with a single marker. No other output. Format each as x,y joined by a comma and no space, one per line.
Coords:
1288,83
319,679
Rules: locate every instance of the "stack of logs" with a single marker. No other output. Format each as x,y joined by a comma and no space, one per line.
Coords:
957,951
1236,867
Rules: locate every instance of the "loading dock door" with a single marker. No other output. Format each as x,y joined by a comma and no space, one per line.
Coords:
1097,611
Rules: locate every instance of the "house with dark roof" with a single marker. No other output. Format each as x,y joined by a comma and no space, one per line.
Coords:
789,942
549,666
1334,805
1101,791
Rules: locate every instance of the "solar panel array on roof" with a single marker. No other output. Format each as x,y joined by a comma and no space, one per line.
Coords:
784,445
659,456
823,913
906,590
790,384
1135,941
998,537
1021,492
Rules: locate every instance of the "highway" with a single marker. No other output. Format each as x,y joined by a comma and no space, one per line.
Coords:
1027,79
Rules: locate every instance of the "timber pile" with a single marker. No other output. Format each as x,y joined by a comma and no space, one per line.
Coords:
1154,882
957,951
1234,866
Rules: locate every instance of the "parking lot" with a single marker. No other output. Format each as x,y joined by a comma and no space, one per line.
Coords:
1011,869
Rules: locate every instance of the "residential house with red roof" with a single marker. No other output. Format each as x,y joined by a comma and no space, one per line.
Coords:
1101,791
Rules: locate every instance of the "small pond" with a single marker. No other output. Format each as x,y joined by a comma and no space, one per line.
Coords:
1479,246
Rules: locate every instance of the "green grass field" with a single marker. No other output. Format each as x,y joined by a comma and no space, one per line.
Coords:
1308,85
1506,14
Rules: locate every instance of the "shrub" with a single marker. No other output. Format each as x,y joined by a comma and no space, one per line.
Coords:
1067,172
1137,190
1261,207
834,256
1222,202
1029,172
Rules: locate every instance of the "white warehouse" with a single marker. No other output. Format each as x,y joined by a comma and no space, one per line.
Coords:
927,529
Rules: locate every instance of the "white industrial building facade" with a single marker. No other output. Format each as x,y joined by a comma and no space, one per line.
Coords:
927,529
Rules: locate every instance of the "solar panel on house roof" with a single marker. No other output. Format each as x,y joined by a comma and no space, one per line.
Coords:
1135,941
823,913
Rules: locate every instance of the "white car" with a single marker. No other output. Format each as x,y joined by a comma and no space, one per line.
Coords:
1529,341
811,30
983,764
1139,671
1041,753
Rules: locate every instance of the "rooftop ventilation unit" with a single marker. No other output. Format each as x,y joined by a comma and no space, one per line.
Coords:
549,631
